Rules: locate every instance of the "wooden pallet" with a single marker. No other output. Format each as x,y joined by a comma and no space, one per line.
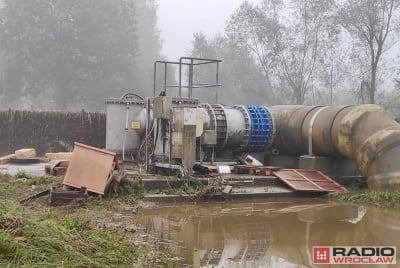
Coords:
254,170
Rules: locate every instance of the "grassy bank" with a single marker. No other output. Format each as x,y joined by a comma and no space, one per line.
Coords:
379,199
35,235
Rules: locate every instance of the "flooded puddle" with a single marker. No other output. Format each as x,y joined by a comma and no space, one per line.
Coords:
266,233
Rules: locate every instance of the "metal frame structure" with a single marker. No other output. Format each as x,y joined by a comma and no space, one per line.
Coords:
190,62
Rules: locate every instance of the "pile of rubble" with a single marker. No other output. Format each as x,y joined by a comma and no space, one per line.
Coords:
86,170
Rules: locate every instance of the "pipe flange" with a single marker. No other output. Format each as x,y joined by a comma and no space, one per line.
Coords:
217,116
220,127
261,127
247,123
211,114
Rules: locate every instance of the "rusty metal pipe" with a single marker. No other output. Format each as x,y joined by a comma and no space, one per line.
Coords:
289,120
364,133
324,121
371,137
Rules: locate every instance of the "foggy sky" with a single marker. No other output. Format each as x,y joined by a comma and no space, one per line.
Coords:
178,20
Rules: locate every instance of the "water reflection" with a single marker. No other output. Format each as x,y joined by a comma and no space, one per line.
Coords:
266,234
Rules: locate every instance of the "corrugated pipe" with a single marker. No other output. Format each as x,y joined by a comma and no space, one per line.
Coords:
364,133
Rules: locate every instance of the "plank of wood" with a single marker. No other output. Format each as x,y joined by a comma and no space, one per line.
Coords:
227,190
25,153
60,155
212,168
4,159
35,196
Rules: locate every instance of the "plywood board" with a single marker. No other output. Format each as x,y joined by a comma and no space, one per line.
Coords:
89,167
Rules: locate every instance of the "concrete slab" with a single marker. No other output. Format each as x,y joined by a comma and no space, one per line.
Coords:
31,169
237,193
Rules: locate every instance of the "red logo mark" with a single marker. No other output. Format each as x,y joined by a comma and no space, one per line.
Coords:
321,255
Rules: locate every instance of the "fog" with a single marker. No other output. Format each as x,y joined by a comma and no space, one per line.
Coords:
178,20
70,55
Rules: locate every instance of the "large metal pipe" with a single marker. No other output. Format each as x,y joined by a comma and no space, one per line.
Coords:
371,137
364,133
288,121
241,128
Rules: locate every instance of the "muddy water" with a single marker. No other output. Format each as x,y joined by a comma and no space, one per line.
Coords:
266,233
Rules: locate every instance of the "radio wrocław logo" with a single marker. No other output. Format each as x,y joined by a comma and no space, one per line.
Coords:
354,255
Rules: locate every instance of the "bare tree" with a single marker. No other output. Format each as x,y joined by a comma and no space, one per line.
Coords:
301,44
241,78
287,41
251,28
369,22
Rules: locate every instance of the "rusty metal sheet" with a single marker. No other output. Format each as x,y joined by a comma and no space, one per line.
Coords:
308,180
89,167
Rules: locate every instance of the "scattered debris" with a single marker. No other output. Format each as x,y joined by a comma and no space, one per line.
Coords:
180,170
203,170
250,160
227,190
10,222
254,170
116,180
308,180
57,167
91,168
60,197
224,169
35,196
65,197
211,188
5,159
212,168
25,153
21,156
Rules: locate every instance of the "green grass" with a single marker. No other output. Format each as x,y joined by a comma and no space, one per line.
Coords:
379,199
22,186
39,236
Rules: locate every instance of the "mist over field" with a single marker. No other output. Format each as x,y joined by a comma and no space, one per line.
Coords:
70,55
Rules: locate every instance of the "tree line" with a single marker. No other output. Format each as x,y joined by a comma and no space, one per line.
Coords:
64,55
309,52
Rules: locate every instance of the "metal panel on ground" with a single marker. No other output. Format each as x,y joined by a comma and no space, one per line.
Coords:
89,167
308,180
